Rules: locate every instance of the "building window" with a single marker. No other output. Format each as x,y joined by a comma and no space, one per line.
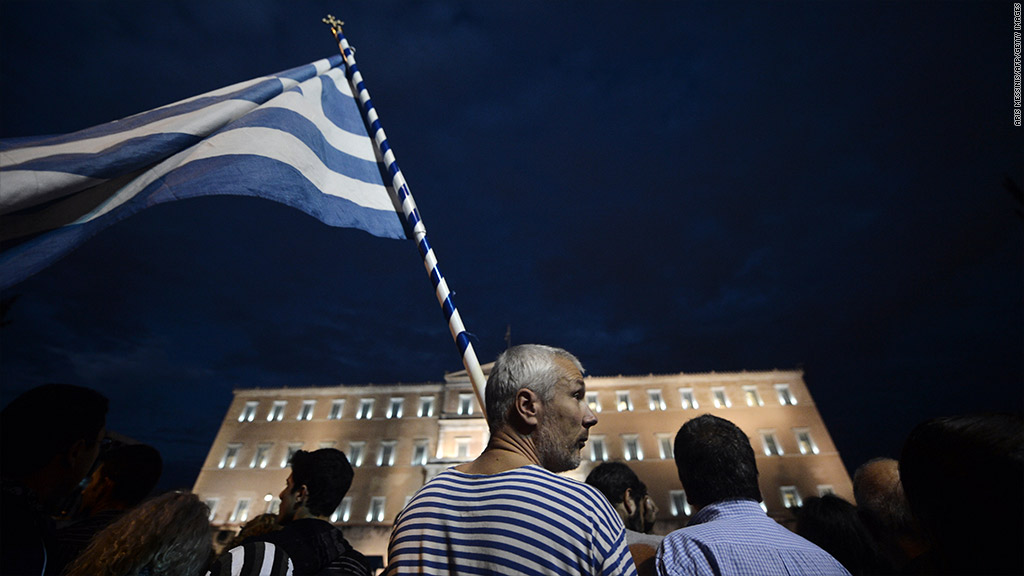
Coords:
365,409
751,396
306,413
655,401
230,458
241,512
770,443
249,412
598,452
262,456
462,447
465,404
327,444
804,441
631,447
386,456
376,513
680,507
825,489
687,399
344,510
721,400
622,401
277,411
211,503
785,396
355,453
337,409
593,402
426,409
273,505
395,407
790,497
665,446
419,453
292,449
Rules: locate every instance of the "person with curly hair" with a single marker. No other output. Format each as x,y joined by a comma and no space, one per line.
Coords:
166,536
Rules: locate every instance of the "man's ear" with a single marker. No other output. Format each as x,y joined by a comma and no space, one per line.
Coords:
302,494
528,406
627,502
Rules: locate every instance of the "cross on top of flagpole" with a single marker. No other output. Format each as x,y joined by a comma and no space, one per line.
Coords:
334,23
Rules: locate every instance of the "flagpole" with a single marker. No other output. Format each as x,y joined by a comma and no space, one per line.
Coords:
412,216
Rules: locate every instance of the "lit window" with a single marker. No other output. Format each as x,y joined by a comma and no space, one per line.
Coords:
419,453
687,399
344,510
770,443
721,400
386,456
211,503
376,513
292,449
249,412
790,497
622,401
261,457
426,409
785,396
230,458
804,441
751,396
593,402
597,450
306,413
654,400
365,409
465,404
665,447
274,505
825,489
277,411
395,407
631,447
462,447
241,512
680,507
355,453
337,409
326,444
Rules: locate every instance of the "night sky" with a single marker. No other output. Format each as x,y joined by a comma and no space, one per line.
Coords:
658,187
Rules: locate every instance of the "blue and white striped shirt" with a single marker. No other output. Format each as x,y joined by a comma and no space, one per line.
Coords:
523,521
737,538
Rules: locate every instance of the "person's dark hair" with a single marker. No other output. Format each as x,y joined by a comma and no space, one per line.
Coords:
948,460
134,470
834,525
327,475
715,461
46,421
613,479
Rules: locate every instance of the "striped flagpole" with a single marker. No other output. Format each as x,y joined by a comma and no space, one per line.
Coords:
412,216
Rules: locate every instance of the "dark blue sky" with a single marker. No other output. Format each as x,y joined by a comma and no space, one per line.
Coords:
656,186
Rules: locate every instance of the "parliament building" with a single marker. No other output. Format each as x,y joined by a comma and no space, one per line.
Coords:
398,436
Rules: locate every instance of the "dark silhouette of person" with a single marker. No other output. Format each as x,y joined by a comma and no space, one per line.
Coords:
50,437
833,524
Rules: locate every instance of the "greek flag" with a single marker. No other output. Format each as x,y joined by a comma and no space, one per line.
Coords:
296,137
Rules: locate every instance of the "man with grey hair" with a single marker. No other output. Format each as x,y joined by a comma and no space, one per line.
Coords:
508,512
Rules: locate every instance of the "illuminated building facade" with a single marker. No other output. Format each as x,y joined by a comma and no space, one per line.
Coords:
397,436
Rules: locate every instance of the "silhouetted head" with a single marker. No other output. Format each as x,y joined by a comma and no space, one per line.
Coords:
318,482
715,461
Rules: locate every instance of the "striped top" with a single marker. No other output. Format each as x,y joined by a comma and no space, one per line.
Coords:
522,521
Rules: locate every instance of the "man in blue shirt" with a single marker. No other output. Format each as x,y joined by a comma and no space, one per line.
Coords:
730,533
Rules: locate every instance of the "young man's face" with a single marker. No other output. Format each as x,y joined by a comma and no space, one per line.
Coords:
564,427
289,503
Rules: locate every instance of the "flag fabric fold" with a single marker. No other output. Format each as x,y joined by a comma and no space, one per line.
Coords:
296,137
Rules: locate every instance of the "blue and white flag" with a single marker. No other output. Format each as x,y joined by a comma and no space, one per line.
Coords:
296,137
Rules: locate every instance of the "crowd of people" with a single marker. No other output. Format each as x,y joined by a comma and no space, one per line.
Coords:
75,504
